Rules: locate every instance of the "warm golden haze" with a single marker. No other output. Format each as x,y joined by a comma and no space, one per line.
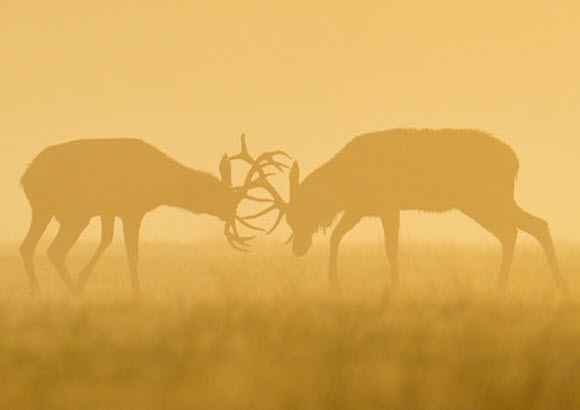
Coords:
393,112
305,77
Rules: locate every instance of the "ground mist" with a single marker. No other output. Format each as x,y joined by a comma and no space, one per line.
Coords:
215,329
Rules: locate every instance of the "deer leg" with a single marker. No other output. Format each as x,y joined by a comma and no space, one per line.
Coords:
40,221
131,226
347,222
66,237
503,227
107,224
391,231
538,228
507,236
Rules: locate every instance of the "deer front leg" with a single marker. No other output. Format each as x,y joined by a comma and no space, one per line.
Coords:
40,221
131,227
347,222
391,231
107,223
68,233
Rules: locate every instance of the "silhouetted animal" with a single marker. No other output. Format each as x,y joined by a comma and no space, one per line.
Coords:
382,173
124,178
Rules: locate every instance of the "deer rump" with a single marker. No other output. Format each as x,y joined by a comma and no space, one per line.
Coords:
99,176
428,170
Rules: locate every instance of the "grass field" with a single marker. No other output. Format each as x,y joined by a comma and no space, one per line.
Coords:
216,329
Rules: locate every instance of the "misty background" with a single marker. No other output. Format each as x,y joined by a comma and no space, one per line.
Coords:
304,76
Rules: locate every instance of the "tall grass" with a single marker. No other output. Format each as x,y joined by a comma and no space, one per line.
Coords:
220,330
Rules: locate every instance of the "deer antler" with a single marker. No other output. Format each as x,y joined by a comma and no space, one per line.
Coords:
277,202
257,166
262,161
236,241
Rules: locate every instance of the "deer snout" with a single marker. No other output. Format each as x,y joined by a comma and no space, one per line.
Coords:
300,245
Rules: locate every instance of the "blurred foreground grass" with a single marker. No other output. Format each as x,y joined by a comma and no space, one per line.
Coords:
216,329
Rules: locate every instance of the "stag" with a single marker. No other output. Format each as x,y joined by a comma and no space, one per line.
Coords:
382,173
127,178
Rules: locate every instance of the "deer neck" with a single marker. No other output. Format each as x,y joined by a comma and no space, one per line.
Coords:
198,192
324,190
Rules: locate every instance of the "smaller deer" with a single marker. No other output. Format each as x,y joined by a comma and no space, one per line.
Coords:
128,178
383,173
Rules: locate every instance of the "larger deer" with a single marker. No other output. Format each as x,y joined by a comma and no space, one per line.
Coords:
382,173
128,178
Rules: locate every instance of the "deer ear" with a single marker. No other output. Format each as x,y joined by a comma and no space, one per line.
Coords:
294,179
226,170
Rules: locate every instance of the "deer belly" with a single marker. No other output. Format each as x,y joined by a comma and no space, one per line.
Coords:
430,197
99,198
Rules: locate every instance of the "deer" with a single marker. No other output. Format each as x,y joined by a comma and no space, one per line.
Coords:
382,173
127,178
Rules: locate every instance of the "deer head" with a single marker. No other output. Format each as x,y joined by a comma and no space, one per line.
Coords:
300,216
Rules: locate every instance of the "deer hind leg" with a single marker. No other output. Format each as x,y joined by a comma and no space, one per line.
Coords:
131,227
347,222
38,224
107,225
502,225
69,232
538,228
391,231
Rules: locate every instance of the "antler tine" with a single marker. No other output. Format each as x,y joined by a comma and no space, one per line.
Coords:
257,199
262,212
277,152
267,159
244,146
262,182
278,221
242,239
270,155
244,154
275,205
232,243
249,225
277,198
235,240
257,166
277,201
263,160
280,166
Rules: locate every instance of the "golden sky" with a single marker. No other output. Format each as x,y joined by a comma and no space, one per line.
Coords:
304,76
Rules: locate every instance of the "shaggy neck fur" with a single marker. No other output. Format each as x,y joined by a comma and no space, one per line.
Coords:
322,191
